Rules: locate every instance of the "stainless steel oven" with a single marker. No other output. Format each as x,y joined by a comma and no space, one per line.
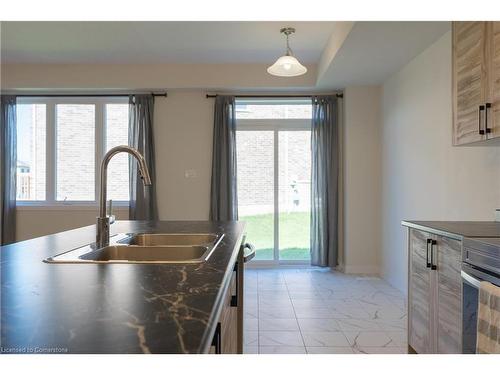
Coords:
480,262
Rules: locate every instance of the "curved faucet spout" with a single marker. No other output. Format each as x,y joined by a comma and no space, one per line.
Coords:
103,221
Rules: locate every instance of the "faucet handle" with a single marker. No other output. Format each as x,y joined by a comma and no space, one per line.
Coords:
110,212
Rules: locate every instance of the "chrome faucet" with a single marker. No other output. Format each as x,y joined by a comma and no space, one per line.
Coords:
104,220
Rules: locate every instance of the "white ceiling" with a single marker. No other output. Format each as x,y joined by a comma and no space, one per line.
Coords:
159,42
373,51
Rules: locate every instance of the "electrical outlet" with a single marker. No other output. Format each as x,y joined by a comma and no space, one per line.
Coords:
497,214
190,173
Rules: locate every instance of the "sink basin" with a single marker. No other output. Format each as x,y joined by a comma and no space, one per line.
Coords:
145,248
173,239
163,254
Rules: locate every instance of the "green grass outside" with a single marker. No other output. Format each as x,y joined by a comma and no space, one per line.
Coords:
294,235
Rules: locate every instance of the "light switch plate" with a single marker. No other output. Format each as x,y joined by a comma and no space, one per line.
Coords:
190,173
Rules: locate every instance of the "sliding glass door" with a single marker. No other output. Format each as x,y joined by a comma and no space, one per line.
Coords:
274,178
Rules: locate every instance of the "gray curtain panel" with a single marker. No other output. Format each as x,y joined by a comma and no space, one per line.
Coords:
8,168
143,203
324,181
223,193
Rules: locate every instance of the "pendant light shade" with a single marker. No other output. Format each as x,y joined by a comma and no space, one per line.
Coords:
287,65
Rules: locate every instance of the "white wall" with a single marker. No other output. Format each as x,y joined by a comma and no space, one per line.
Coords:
183,141
361,169
34,222
423,176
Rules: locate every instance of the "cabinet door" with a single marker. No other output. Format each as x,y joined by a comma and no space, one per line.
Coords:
419,293
469,81
494,79
229,321
449,295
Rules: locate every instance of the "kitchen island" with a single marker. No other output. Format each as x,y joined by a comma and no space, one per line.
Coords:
115,308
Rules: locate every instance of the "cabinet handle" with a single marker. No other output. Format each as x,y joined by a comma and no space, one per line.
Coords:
216,341
481,108
486,110
428,264
433,266
234,299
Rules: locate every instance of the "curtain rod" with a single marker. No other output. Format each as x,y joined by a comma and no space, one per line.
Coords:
82,95
272,96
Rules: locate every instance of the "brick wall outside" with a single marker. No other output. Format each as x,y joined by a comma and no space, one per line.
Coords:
75,152
273,111
255,154
116,135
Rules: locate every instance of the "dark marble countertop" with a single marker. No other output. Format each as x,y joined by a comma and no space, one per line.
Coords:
457,229
113,308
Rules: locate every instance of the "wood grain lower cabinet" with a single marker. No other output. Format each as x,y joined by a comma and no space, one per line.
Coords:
449,289
419,333
228,337
229,321
434,293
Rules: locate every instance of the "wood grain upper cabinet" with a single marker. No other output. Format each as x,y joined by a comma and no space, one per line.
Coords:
476,81
469,81
419,314
448,304
493,99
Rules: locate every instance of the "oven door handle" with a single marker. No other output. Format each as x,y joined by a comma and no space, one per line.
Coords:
470,279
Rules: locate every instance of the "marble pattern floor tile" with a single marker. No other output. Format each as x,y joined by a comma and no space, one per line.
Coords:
251,324
369,338
250,338
278,325
329,350
318,325
276,338
276,313
251,349
318,311
282,349
325,339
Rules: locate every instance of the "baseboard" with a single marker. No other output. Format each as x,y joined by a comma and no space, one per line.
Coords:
362,270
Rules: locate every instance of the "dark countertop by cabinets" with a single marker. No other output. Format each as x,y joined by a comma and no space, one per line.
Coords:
113,308
457,229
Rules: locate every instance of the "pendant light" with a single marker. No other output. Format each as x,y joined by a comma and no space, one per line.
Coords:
287,65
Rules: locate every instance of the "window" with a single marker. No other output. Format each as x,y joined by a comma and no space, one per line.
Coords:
273,143
61,142
31,155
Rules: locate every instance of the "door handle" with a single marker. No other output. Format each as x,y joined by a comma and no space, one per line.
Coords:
433,265
486,110
428,264
481,108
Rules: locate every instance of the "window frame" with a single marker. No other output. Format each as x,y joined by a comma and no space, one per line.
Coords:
276,126
51,148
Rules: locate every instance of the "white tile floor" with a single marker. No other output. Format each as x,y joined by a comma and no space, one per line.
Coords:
299,311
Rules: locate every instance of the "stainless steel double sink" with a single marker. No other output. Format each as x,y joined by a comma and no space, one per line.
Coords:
146,248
